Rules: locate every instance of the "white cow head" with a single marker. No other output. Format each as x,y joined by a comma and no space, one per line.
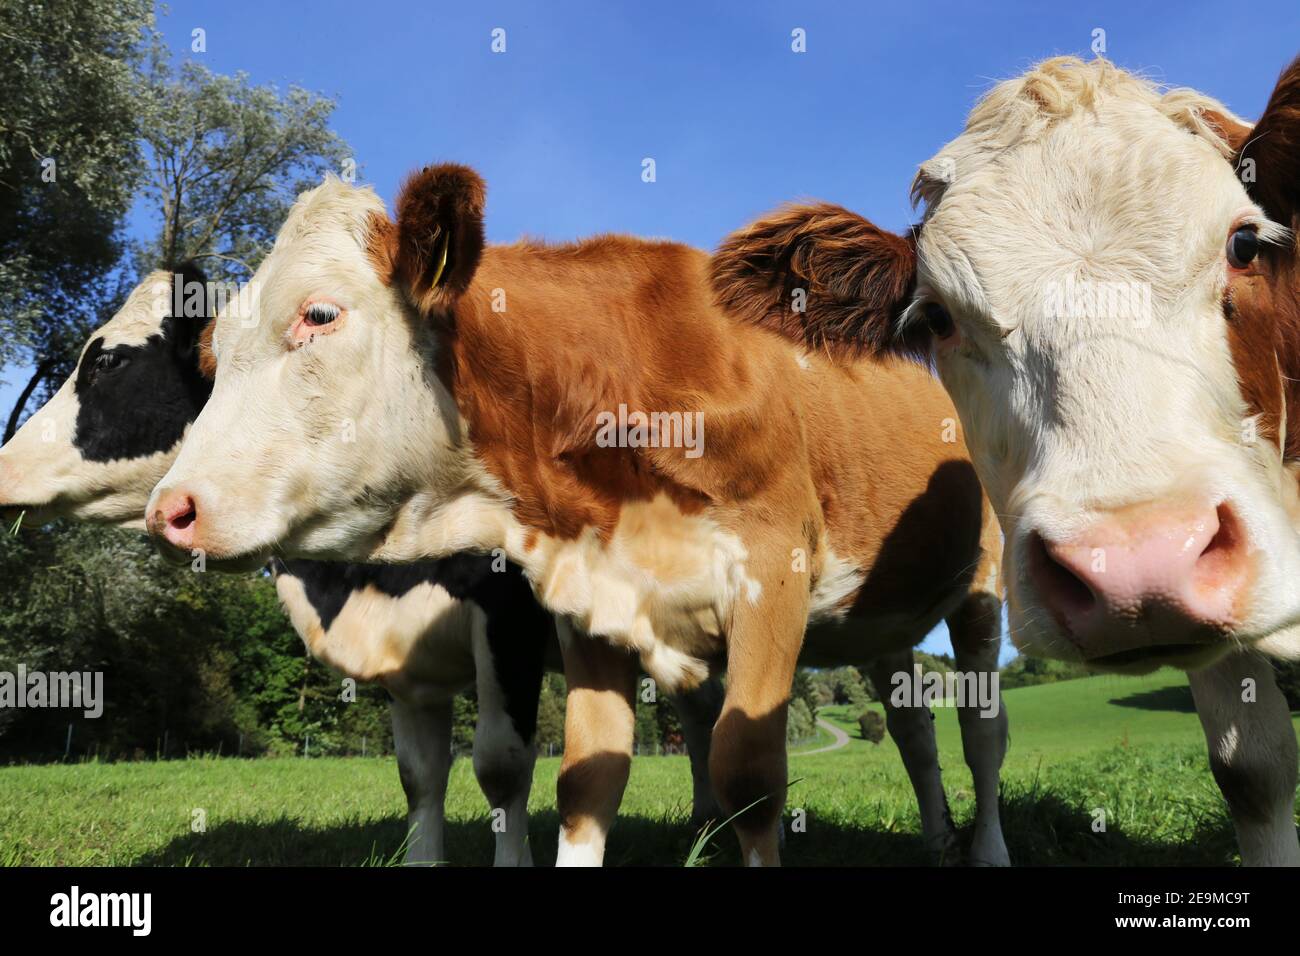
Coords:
328,412
99,445
1086,283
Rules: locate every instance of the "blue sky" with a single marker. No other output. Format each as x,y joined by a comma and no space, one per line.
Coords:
736,122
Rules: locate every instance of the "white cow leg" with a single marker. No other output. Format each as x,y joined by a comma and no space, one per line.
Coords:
1253,755
912,729
422,736
503,760
697,711
976,631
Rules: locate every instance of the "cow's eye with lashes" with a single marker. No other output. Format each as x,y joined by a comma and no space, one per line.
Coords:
315,319
938,321
320,313
1243,247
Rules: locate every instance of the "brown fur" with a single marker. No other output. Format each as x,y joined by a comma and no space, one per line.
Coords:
531,381
1265,304
857,278
1274,145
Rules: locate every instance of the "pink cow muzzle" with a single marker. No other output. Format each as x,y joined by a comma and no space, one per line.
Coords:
1152,580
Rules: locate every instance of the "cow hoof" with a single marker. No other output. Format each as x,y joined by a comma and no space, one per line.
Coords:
994,854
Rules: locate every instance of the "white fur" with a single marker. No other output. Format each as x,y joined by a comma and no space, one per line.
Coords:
580,854
838,579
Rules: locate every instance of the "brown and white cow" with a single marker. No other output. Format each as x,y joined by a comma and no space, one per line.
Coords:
424,631
398,390
1105,279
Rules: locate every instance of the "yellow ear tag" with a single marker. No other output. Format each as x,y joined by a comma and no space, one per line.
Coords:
442,260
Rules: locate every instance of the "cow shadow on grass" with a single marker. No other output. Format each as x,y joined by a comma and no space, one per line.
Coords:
636,840
1165,698
1041,830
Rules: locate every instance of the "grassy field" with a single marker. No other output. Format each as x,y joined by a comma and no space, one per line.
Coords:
1130,746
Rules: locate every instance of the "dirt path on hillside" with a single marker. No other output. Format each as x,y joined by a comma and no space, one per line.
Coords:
841,740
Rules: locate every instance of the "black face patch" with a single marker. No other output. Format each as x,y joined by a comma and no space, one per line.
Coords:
518,628
134,401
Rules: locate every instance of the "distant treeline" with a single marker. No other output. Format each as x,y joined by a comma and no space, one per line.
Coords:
851,686
196,662
208,663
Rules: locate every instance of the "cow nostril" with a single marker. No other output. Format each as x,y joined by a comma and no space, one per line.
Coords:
182,515
1226,545
1059,586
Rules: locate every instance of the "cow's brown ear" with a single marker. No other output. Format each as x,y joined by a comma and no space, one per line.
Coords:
820,275
438,239
1269,160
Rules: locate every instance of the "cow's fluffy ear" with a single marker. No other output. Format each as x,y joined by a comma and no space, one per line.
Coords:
1271,153
822,276
438,239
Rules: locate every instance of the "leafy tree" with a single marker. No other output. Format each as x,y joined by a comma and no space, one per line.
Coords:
464,718
847,686
1026,671
69,164
190,662
646,726
550,714
799,723
871,726
226,160
937,663
811,687
657,728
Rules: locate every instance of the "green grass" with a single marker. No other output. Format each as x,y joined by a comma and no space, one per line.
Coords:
1130,746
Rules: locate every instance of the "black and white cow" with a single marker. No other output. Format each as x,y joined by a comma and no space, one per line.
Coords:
424,631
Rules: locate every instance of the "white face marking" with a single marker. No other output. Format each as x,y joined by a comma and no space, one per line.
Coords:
1075,407
42,470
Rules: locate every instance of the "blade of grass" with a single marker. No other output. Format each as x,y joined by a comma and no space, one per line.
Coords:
707,833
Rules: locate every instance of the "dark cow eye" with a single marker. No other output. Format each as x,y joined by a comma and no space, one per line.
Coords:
938,320
108,361
321,313
1243,247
